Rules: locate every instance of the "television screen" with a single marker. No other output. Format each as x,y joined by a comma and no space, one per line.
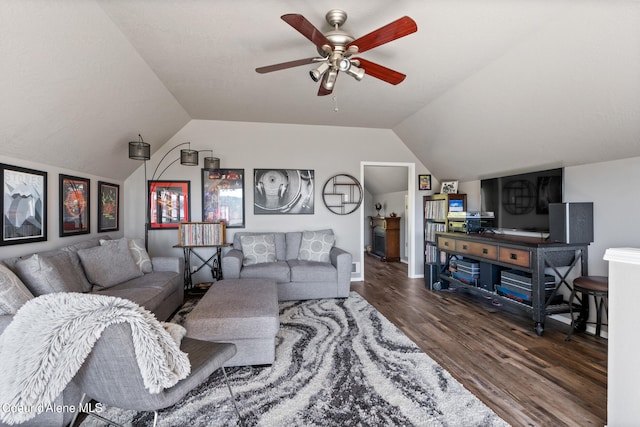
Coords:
521,202
455,206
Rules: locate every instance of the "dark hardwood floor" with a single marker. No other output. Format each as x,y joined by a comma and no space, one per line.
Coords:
526,379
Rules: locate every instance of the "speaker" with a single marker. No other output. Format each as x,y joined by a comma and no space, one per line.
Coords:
571,222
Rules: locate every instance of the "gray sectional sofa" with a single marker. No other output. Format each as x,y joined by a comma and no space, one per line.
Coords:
305,265
118,267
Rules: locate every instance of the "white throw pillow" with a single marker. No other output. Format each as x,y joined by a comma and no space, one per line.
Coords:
258,249
316,246
13,293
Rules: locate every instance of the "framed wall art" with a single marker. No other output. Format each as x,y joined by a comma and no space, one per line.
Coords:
24,205
283,191
74,204
449,187
424,182
169,204
223,196
108,207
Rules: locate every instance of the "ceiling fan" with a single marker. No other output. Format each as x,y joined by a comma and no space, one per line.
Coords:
337,47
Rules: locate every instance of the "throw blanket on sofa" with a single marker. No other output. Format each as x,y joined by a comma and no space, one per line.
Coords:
51,336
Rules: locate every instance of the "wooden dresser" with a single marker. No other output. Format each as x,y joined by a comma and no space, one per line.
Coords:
385,237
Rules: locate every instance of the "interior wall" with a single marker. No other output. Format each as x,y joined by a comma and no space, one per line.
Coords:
325,149
53,209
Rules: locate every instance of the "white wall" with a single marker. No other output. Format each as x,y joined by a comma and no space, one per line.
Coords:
53,209
327,150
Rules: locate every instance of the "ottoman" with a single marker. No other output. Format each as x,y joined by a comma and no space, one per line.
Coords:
239,311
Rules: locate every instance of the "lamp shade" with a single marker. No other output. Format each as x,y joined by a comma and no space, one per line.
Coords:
211,163
139,150
189,157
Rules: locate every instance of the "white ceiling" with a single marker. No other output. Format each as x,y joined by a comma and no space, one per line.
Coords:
497,85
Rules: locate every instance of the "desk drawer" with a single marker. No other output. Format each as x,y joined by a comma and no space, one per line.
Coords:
477,249
446,244
515,257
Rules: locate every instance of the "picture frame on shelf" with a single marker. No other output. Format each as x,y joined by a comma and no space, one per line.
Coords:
24,205
223,196
449,187
75,205
108,207
424,182
283,191
169,204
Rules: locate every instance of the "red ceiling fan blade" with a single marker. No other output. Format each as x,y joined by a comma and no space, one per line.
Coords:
285,65
379,72
390,32
307,29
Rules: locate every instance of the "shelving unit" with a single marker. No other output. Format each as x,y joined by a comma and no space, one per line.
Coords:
436,209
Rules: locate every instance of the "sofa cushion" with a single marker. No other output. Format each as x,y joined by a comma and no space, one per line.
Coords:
279,271
50,272
258,249
316,245
148,290
110,264
13,293
278,237
138,252
312,271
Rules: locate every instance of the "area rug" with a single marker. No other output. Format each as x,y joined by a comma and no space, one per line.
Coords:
339,362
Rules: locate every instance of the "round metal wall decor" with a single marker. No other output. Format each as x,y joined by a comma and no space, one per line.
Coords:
342,194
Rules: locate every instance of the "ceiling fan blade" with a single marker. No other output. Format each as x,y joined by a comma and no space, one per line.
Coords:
307,29
285,65
379,72
390,32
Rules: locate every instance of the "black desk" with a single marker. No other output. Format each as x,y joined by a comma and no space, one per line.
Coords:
531,255
212,261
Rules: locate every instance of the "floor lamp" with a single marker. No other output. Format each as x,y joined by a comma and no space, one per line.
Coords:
140,150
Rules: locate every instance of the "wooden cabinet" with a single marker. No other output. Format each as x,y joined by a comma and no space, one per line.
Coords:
436,208
385,237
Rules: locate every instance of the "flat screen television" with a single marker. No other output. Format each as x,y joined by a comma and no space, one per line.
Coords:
521,202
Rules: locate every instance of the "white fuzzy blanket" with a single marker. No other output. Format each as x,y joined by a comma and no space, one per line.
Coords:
51,336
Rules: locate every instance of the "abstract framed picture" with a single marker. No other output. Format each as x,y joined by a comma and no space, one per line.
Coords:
108,207
449,187
169,204
283,191
424,182
24,205
74,205
223,196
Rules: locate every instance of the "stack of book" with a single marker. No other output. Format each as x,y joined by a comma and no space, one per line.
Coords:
201,233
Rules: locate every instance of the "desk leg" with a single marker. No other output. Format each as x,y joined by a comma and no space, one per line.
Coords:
187,269
216,269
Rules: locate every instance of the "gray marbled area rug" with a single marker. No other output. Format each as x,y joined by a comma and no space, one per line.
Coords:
338,363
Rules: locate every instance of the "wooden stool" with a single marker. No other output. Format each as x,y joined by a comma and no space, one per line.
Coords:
596,286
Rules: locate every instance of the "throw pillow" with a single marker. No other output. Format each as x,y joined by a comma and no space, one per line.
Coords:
47,273
258,249
316,245
109,265
138,252
13,293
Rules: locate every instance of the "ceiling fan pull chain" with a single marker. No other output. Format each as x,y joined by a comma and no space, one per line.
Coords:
335,103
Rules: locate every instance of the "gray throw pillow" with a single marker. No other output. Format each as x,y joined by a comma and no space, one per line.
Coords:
109,265
138,252
54,272
258,249
13,293
316,245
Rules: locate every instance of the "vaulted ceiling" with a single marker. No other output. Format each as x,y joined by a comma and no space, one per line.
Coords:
496,85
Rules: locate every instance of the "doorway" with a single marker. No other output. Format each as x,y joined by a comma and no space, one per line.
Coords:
389,183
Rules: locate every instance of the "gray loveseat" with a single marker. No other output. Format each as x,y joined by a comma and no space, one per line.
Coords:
118,267
305,265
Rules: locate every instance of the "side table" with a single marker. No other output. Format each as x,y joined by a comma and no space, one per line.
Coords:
212,261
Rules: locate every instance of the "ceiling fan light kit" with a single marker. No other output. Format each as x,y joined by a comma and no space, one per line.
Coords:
336,48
